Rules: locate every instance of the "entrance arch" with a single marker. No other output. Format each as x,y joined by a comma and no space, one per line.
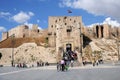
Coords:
68,47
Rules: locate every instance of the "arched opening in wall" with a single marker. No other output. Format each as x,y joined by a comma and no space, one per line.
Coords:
97,33
38,31
55,21
69,30
102,31
65,17
51,26
68,47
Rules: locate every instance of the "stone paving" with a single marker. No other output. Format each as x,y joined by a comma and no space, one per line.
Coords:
101,72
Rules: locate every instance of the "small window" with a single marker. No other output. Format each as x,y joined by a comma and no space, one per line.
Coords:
65,17
74,21
56,21
68,30
65,23
54,33
51,26
59,19
70,19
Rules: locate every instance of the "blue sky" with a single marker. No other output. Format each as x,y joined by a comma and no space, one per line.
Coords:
17,12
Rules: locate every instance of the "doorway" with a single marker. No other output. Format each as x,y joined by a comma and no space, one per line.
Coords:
68,47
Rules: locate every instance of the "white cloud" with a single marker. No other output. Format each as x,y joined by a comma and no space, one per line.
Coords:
93,24
40,28
2,29
96,7
28,24
113,23
38,21
4,14
31,13
22,17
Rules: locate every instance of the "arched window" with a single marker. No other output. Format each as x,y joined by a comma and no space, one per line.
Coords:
56,21
65,23
68,30
51,26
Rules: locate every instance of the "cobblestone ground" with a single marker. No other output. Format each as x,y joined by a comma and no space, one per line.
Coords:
50,73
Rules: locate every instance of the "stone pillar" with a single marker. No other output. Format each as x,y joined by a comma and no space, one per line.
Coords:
106,31
99,29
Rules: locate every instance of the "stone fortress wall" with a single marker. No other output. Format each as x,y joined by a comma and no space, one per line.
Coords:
102,31
22,31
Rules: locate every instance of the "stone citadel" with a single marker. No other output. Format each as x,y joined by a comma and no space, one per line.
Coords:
68,33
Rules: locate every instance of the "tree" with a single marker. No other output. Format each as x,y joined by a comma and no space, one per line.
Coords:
0,55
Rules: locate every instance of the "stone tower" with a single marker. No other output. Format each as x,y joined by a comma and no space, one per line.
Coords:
64,33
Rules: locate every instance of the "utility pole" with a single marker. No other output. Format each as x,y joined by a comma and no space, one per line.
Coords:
12,55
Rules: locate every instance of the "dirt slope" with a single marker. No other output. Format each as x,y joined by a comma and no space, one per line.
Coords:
9,43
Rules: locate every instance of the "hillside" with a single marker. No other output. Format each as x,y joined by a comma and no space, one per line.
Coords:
30,50
9,43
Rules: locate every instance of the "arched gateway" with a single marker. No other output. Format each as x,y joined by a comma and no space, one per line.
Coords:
68,47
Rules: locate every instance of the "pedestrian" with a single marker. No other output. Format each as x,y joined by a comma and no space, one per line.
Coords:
62,64
93,62
58,66
97,62
38,64
72,63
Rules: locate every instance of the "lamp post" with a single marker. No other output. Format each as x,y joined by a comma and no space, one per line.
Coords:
12,55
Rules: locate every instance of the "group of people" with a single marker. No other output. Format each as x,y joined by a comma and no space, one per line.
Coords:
42,63
94,62
68,58
97,62
62,65
21,65
37,64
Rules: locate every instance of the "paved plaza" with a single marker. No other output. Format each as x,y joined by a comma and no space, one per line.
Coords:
101,72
